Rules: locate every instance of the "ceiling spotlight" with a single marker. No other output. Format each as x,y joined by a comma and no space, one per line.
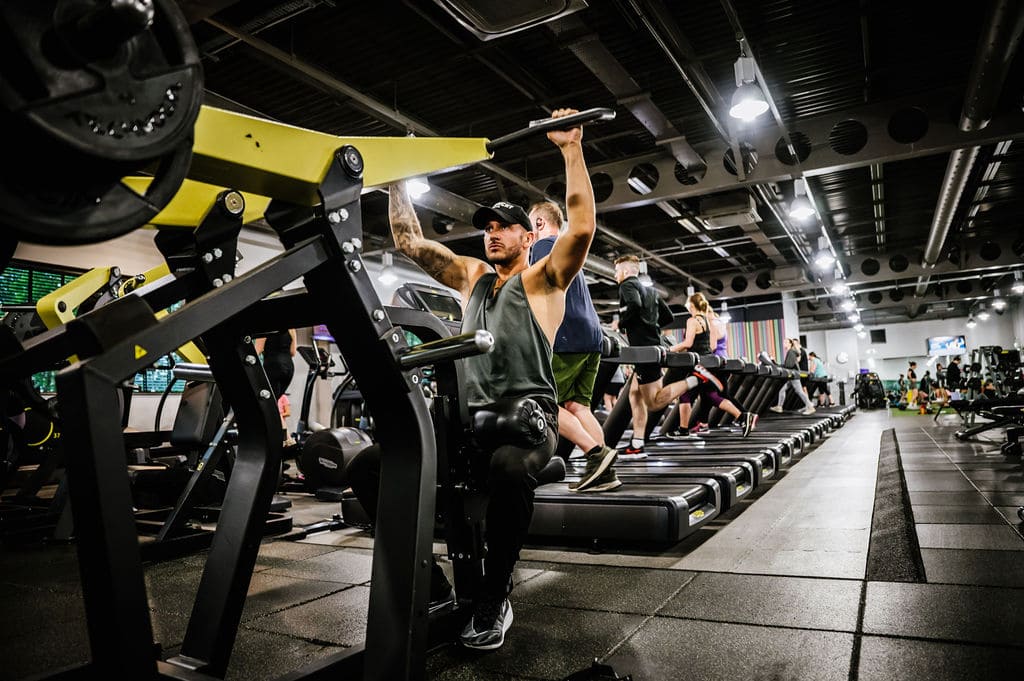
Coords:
801,208
853,317
725,316
417,186
971,323
748,102
645,278
983,315
388,274
861,334
858,327
690,291
1018,282
824,260
848,305
998,304
840,289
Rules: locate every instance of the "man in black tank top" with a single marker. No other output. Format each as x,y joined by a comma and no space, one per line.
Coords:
522,305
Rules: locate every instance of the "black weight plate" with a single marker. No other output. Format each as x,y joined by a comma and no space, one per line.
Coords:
134,104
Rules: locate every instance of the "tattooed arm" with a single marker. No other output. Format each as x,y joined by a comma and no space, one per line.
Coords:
456,271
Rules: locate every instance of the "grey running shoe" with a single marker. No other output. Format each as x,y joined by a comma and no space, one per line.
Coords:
596,465
486,629
606,482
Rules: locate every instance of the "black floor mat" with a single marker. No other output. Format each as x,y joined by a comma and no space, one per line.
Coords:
893,554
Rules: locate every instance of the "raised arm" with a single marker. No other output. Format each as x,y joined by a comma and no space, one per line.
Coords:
436,259
571,248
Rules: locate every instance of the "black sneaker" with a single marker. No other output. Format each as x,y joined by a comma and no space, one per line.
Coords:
678,434
749,421
486,629
442,593
605,482
596,465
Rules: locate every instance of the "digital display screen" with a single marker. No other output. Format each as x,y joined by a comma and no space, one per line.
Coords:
947,345
320,333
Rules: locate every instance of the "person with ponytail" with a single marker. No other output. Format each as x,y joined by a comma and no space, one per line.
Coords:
701,336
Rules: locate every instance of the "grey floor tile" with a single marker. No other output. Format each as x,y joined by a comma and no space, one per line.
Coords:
269,593
27,609
51,566
986,568
338,619
987,537
968,515
41,651
1000,486
884,659
278,553
972,498
348,566
263,655
1010,513
769,600
1005,499
933,481
544,643
672,649
837,564
603,588
976,614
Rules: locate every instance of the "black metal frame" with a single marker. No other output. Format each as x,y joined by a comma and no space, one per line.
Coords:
323,245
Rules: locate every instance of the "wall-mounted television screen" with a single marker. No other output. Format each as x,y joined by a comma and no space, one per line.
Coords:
946,345
320,333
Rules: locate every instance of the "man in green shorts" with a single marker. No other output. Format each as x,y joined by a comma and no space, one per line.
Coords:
576,358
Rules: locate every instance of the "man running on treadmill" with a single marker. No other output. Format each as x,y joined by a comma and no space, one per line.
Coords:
522,306
576,359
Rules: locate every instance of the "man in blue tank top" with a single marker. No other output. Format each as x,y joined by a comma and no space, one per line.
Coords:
576,359
522,305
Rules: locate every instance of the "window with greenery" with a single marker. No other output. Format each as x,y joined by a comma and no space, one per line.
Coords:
22,284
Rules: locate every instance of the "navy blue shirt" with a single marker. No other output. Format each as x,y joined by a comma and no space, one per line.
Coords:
581,329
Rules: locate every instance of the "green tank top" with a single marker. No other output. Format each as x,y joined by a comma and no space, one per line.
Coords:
519,365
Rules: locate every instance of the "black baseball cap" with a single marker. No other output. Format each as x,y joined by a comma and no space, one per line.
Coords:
505,212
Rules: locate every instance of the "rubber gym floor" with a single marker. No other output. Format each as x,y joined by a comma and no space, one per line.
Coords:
813,579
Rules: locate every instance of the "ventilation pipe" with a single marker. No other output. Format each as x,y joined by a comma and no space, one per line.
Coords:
996,48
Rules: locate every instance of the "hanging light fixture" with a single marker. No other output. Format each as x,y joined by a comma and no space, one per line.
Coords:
801,208
858,327
853,317
824,260
388,274
983,314
971,323
848,305
690,291
748,102
645,278
998,304
1018,282
725,316
839,288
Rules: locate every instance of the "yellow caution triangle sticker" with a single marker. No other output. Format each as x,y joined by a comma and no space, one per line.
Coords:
140,352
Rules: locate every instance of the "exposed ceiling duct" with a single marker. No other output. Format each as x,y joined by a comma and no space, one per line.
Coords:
996,49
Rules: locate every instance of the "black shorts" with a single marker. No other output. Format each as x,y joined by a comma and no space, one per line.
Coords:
647,373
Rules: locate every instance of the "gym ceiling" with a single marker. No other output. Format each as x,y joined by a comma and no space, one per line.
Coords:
918,196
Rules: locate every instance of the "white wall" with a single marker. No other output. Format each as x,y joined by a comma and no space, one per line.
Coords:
1016,313
790,317
907,341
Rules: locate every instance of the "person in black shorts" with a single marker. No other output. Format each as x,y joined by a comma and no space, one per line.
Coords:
912,383
640,308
